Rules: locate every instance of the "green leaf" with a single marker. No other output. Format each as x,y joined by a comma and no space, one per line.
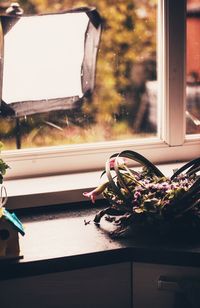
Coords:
3,166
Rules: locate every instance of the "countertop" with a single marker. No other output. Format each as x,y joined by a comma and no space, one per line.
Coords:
57,239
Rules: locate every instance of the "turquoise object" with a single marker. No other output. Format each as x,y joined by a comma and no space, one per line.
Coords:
12,218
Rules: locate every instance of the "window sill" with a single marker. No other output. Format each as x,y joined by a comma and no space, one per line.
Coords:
58,240
58,189
49,190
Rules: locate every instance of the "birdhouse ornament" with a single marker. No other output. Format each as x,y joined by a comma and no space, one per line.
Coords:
10,227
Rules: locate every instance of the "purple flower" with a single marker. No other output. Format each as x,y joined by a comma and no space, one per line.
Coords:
137,195
135,204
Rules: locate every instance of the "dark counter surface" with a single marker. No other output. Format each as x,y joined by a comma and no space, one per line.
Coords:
57,239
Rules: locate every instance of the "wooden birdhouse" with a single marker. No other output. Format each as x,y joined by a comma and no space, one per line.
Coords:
10,227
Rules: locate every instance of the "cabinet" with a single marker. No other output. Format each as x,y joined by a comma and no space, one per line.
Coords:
124,285
156,285
98,287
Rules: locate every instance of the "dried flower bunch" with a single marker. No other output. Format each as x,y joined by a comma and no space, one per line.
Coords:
148,198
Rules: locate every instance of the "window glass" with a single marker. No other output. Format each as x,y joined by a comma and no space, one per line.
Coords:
193,68
123,105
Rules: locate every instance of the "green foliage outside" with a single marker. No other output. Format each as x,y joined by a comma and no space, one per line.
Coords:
3,166
128,38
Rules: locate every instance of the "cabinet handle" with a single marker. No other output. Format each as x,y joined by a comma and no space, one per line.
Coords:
168,284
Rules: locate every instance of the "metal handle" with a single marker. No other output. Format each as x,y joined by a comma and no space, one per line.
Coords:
168,284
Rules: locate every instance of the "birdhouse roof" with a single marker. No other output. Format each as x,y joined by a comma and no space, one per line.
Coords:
12,218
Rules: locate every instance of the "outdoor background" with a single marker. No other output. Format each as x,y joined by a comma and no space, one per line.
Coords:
124,103
119,108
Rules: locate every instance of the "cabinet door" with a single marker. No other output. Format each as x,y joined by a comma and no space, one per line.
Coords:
99,287
157,285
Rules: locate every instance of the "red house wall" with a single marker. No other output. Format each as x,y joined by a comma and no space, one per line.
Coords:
193,37
193,45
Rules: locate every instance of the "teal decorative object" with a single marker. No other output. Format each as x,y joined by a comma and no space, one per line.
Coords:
12,218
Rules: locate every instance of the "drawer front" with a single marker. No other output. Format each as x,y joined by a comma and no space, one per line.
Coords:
157,286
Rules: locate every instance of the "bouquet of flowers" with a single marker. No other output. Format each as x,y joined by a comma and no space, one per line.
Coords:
147,198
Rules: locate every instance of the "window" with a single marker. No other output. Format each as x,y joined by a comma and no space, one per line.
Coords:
164,138
123,105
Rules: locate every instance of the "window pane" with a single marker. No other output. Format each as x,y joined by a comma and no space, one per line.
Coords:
193,68
123,105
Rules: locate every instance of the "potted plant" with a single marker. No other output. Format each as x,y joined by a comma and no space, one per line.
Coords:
146,199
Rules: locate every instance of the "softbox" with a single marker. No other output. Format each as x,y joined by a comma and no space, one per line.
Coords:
48,61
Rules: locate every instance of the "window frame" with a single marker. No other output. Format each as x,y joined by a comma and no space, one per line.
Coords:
170,145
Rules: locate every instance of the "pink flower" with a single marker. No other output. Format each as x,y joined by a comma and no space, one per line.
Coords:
95,192
92,195
120,160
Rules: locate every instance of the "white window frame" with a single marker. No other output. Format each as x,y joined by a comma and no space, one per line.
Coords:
171,145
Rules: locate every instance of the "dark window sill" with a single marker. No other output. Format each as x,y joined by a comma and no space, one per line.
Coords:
58,240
